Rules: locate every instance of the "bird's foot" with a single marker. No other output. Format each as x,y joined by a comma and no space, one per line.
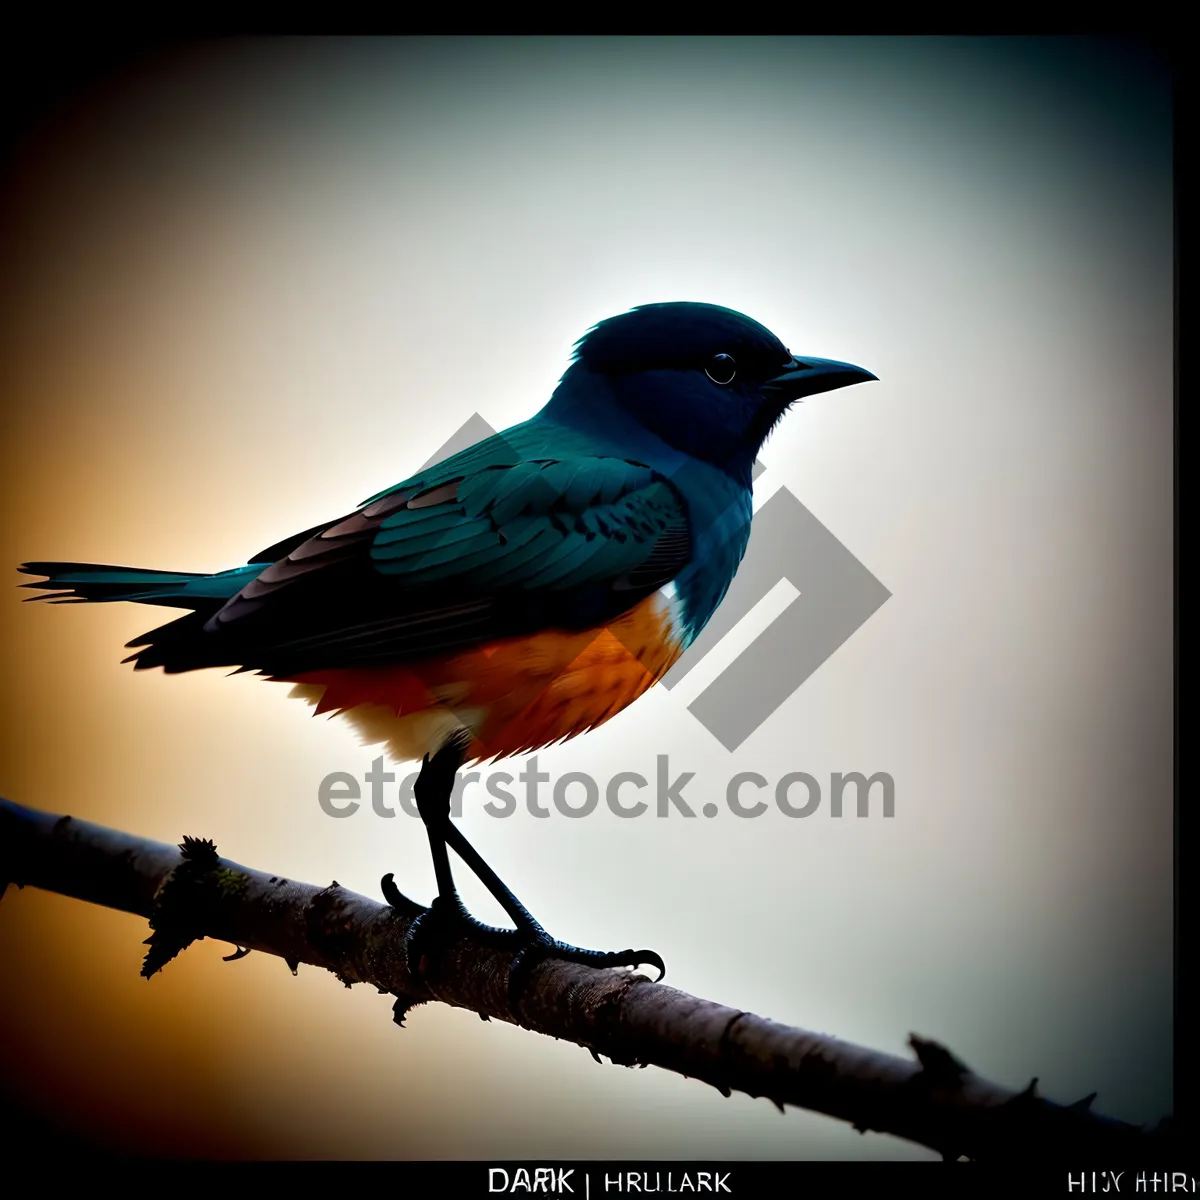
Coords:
442,922
534,946
447,918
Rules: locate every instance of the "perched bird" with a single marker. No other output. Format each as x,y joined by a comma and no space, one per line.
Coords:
512,595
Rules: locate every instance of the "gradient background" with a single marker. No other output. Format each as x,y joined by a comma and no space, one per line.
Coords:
253,283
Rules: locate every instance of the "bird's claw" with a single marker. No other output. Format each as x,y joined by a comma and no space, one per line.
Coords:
391,893
537,946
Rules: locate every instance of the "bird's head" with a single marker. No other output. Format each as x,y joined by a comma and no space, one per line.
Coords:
705,379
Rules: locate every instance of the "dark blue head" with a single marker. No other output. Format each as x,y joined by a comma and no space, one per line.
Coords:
705,379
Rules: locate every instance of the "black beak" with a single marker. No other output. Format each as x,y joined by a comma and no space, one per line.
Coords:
808,376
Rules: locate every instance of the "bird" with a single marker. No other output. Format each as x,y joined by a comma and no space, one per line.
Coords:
515,594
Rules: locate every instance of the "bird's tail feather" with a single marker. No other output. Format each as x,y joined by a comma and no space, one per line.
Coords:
77,583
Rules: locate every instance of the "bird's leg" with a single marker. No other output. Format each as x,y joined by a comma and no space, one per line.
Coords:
533,944
433,791
529,940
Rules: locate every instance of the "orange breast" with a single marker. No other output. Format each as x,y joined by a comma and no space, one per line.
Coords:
515,695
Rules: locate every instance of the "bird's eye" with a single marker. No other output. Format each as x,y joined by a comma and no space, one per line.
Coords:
721,368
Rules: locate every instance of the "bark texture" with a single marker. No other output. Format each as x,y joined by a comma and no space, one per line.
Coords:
188,892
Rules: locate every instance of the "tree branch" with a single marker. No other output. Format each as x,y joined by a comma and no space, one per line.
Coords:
188,892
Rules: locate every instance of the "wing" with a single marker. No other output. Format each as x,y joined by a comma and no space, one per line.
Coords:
481,548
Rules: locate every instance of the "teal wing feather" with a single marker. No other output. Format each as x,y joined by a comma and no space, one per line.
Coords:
531,526
520,532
